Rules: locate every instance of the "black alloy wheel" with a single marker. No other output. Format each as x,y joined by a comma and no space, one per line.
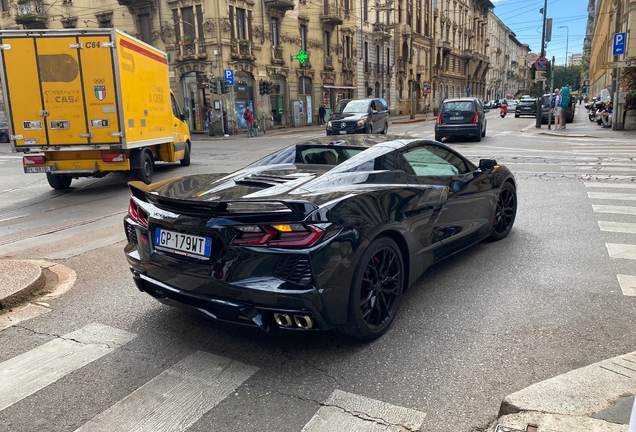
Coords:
376,291
505,213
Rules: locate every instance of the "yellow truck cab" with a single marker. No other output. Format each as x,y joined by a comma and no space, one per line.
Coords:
84,103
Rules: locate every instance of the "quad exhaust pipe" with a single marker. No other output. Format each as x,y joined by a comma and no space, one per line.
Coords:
284,320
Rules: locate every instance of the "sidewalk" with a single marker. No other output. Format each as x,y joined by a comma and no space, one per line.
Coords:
580,127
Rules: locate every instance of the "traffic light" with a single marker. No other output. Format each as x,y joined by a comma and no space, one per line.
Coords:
223,86
262,86
269,88
213,87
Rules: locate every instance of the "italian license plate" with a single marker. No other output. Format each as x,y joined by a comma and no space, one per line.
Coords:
38,169
457,118
183,244
342,132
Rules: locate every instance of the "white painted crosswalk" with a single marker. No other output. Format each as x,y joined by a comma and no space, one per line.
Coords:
623,192
182,394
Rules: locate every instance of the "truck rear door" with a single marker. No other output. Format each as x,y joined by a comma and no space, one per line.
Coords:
61,90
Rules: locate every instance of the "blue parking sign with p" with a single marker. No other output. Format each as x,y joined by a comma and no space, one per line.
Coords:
228,74
618,46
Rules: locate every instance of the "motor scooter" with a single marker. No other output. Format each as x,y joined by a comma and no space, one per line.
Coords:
503,110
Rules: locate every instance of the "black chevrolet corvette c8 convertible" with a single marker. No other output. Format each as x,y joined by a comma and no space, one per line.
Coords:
325,234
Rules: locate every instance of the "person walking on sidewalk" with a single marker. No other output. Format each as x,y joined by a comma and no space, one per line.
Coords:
321,115
565,103
556,110
249,119
209,119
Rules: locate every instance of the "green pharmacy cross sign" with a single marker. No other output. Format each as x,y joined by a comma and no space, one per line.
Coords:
301,56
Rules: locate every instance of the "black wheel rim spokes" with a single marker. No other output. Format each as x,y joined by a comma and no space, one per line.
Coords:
506,210
381,286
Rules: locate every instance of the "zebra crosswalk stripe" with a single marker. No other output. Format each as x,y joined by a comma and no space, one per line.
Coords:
626,251
614,209
621,227
628,284
175,399
611,185
27,373
349,412
612,196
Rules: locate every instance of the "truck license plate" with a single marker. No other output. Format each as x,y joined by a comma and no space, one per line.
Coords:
183,244
38,169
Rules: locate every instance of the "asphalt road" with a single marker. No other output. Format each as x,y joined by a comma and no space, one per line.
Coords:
480,325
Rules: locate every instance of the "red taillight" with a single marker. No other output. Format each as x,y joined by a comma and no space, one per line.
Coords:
137,213
439,119
281,235
113,157
475,117
34,160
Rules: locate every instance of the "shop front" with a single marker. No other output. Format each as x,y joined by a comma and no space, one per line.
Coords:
194,99
332,94
243,96
277,99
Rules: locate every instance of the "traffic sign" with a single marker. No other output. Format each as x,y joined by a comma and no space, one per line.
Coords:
541,64
540,76
229,77
618,46
619,64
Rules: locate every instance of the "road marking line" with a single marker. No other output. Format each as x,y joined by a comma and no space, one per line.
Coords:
347,411
27,373
614,209
175,399
613,168
617,250
612,196
611,185
628,284
621,227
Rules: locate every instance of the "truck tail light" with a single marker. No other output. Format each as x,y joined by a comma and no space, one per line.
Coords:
34,160
113,157
137,213
280,235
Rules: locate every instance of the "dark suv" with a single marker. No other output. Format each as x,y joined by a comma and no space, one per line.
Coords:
461,117
353,116
527,106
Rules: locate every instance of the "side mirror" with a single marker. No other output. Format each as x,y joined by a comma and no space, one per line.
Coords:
182,117
487,165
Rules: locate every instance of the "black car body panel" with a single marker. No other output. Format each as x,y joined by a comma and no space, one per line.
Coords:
545,109
426,197
464,117
359,116
526,107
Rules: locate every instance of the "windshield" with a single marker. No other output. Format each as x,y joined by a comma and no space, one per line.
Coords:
352,106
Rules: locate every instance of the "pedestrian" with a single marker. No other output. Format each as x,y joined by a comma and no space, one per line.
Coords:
224,117
565,103
249,119
556,109
607,115
209,119
321,115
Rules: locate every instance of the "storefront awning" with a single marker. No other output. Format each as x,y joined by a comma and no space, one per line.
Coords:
339,87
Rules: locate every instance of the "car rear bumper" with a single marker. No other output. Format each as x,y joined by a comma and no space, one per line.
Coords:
457,130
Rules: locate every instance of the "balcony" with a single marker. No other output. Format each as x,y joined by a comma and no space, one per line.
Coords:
401,65
446,46
31,14
280,5
328,63
191,50
277,55
347,65
242,50
421,68
135,4
330,14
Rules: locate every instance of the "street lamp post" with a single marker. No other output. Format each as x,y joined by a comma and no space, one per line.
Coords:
567,39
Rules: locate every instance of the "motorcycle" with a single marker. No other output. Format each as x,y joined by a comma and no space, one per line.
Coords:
503,110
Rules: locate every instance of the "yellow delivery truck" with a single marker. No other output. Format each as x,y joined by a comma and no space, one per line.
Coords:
84,103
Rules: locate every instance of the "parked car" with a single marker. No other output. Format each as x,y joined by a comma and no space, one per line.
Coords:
545,109
4,132
353,116
463,117
512,104
320,235
526,107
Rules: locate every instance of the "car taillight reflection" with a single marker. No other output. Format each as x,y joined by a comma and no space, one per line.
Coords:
137,213
281,235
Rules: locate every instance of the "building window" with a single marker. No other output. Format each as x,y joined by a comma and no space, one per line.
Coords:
366,56
377,12
303,37
347,7
240,23
347,47
145,27
275,32
327,43
69,23
365,10
241,32
105,20
378,56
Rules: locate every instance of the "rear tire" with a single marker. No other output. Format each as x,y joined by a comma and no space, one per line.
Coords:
369,130
376,290
386,128
483,134
59,182
146,168
186,157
